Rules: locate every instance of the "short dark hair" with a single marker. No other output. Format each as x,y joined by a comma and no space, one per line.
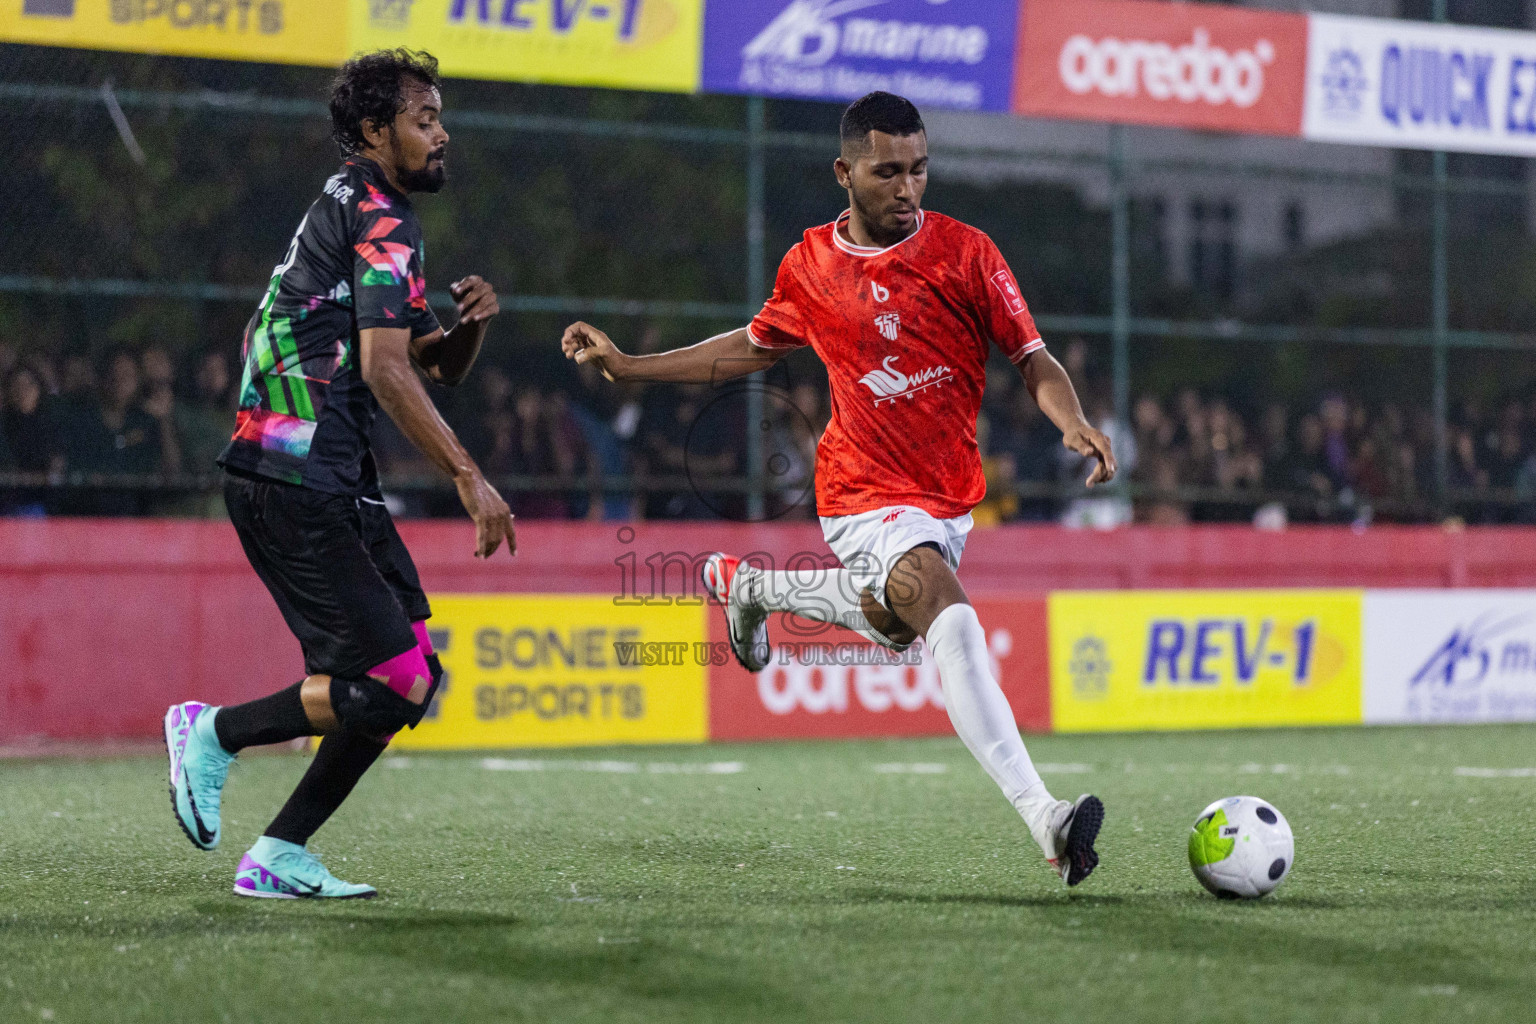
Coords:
878,112
370,87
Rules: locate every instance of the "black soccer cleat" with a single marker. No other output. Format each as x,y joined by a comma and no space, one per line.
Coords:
1078,857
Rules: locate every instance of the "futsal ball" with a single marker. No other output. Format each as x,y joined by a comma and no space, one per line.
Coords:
1241,848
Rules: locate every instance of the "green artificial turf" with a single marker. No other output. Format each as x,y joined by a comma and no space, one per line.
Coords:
810,885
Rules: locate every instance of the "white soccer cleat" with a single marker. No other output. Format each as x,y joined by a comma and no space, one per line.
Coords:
725,579
1066,833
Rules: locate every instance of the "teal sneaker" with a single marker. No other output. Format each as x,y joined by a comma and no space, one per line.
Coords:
199,766
274,869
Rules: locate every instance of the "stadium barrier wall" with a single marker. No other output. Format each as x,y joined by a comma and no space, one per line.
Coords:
103,623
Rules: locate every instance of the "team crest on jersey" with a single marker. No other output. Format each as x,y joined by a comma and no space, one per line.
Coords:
889,383
888,324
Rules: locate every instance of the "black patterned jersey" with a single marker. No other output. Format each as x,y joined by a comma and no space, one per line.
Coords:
355,262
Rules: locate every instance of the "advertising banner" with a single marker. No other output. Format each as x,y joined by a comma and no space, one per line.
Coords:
563,670
1203,66
826,683
956,54
621,44
1414,85
277,31
1137,660
1450,656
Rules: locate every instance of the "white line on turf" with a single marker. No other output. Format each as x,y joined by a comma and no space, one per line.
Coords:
1496,773
919,768
504,764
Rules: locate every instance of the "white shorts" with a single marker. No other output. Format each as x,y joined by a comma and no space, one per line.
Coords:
868,544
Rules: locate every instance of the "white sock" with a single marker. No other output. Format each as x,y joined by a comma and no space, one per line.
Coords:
980,713
820,594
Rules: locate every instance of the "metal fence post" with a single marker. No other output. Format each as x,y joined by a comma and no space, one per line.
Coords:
1120,275
1439,302
756,294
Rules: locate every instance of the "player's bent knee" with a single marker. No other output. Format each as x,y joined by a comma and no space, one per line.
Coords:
370,707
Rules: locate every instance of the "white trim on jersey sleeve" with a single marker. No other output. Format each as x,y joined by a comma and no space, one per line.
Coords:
1029,347
763,344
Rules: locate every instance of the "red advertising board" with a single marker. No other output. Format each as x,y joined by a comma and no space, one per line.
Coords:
1181,65
830,683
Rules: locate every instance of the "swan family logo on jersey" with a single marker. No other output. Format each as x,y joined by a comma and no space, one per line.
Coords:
889,383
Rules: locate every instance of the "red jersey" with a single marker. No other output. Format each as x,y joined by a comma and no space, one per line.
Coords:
904,333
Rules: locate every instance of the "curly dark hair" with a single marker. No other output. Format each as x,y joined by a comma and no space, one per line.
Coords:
368,88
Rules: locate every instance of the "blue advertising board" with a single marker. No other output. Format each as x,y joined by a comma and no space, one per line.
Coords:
937,53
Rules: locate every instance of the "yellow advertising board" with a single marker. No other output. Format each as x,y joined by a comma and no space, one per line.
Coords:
563,670
277,31
1134,660
625,44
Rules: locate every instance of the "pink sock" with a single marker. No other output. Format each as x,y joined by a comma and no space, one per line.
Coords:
423,638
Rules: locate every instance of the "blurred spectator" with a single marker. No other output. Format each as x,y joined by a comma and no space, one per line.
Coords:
1334,416
1504,462
669,446
608,452
478,432
157,369
1464,474
1162,507
77,386
1028,443
29,428
206,419
1304,473
1274,440
570,454
1101,510
532,439
118,436
791,452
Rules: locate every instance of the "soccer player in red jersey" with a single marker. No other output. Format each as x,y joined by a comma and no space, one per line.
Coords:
902,306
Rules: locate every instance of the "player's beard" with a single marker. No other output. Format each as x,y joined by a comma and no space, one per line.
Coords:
882,233
425,178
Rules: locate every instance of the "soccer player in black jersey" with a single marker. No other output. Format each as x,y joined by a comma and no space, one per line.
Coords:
343,329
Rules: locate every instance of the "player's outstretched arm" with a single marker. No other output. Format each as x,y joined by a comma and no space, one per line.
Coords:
715,360
446,356
1053,392
385,363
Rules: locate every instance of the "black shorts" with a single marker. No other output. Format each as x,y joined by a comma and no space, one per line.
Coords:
337,569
